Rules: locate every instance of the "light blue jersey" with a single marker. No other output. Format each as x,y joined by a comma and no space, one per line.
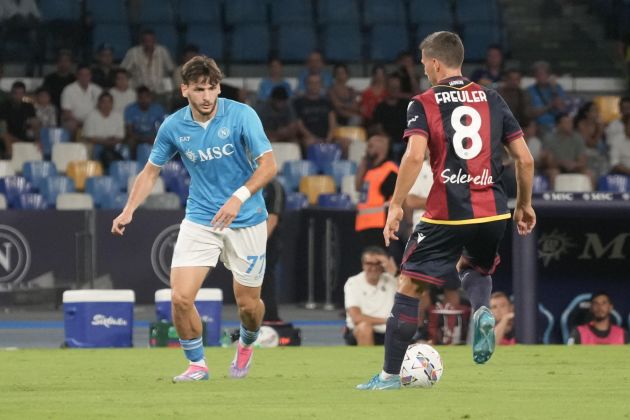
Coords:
219,159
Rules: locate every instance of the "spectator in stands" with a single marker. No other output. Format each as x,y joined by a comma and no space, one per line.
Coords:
600,330
408,76
316,119
390,115
449,319
278,117
589,126
105,129
56,82
78,99
564,150
315,65
19,119
616,128
122,93
104,70
503,311
344,98
369,297
4,96
374,94
515,97
47,114
149,63
547,97
143,118
275,79
491,74
533,141
275,199
620,153
178,101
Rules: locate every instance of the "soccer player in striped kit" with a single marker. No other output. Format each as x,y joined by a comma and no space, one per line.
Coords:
465,127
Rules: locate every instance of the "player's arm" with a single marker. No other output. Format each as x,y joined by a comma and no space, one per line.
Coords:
139,192
503,327
524,215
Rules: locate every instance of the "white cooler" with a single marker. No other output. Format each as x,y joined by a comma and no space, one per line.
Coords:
98,318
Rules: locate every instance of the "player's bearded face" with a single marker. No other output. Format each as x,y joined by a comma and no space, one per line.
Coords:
203,97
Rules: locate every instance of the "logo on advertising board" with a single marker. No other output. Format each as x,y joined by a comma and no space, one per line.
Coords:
15,255
162,253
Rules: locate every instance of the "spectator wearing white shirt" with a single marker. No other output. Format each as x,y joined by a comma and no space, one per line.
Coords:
620,152
149,63
78,99
615,129
122,93
369,297
105,129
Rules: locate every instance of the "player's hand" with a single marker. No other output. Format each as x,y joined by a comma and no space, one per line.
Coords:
525,219
394,216
119,223
227,213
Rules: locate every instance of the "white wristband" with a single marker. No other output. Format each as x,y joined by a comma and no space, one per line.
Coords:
242,194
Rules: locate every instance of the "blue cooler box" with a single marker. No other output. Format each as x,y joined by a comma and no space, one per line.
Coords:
209,303
98,318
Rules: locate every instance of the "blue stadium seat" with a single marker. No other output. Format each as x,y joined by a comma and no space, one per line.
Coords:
379,11
540,185
245,11
32,201
436,11
66,10
51,135
295,42
208,38
342,43
55,185
36,171
189,11
467,11
115,34
340,168
295,201
477,37
142,154
387,41
282,181
172,170
250,43
614,183
294,170
335,201
115,201
166,34
181,187
111,11
12,187
425,29
323,154
156,11
335,11
291,11
548,323
121,170
101,188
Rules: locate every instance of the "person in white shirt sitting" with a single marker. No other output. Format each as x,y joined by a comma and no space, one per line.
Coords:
78,99
105,129
122,93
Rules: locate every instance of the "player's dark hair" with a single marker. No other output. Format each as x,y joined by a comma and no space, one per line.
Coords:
601,293
373,250
444,46
201,69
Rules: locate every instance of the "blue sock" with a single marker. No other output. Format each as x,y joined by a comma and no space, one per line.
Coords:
248,337
193,349
401,326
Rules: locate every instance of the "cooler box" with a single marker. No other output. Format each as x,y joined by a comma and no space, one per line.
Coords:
98,318
209,303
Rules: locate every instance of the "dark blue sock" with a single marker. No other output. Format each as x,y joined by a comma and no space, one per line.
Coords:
478,288
401,326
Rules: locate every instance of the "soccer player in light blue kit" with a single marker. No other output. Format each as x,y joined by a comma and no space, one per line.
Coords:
229,158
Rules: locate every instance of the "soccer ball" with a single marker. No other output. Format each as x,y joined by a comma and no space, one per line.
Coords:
421,367
267,337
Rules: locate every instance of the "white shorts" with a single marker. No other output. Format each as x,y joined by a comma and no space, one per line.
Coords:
242,250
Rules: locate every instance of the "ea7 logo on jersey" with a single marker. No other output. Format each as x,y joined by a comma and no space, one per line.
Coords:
184,139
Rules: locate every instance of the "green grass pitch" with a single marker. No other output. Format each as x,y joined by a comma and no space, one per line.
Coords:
520,382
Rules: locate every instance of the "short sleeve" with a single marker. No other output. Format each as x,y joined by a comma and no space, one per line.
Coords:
416,120
89,126
254,134
350,295
511,128
120,126
163,148
615,155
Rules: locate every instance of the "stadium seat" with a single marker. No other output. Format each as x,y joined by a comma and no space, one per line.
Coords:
379,11
182,188
352,133
540,185
189,12
348,188
166,34
172,170
608,107
282,181
477,37
208,38
578,312
3,202
335,201
23,152
573,183
115,34
111,11
291,11
55,185
122,170
614,183
294,170
164,201
245,11
12,187
387,41
323,154
295,42
426,28
100,188
74,201
335,11
314,185
158,188
286,151
356,151
338,169
6,168
435,12
549,322
143,151
64,10
244,49
115,202
342,42
64,153
80,170
38,170
51,135
477,11
32,201
156,11
295,201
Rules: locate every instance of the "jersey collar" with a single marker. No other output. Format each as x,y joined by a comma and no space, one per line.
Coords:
454,82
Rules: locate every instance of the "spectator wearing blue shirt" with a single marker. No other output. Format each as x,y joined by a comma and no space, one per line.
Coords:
143,118
315,65
548,99
275,79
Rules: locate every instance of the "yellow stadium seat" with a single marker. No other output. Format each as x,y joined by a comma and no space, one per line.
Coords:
314,185
80,170
350,133
608,107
